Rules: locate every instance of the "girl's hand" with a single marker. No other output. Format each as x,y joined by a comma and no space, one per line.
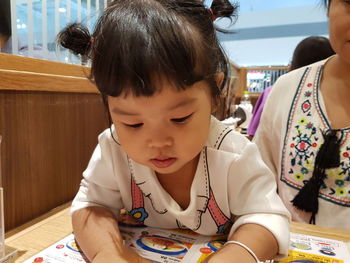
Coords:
111,255
247,237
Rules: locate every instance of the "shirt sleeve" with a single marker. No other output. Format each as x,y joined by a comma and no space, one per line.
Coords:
253,197
99,186
265,138
258,108
269,136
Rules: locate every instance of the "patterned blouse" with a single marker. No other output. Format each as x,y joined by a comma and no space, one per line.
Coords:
296,132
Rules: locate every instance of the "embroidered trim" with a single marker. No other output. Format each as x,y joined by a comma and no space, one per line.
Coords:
221,137
207,187
306,122
222,221
138,207
138,211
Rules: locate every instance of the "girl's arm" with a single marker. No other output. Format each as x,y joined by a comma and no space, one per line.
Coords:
257,238
97,233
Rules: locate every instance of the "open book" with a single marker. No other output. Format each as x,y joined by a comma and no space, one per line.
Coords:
171,246
158,245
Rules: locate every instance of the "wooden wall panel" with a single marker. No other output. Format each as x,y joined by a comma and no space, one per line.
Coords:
20,63
24,80
47,140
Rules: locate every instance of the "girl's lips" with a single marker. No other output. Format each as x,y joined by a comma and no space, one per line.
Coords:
163,163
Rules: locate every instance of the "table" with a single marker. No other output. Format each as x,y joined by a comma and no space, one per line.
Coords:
40,233
55,225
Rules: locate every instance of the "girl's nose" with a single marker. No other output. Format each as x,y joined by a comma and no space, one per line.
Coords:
160,140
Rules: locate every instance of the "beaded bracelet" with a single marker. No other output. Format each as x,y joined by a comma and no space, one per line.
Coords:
245,247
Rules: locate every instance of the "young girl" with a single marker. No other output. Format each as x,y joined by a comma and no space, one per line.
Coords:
166,160
306,139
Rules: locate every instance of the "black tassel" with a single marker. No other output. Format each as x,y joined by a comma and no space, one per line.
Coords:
327,157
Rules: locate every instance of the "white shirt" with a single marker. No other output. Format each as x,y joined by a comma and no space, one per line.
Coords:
232,185
289,137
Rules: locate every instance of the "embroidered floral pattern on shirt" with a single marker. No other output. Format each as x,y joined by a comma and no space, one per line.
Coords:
306,122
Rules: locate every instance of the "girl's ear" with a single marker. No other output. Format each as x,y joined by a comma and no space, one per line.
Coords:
219,78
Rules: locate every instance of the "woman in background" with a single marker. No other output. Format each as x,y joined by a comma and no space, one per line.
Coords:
304,133
308,51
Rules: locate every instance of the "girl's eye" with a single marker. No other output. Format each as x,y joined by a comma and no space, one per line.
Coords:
134,126
180,120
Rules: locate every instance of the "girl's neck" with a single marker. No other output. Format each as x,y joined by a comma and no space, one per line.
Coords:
335,89
178,184
338,70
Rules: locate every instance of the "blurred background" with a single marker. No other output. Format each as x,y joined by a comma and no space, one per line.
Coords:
35,24
268,31
265,33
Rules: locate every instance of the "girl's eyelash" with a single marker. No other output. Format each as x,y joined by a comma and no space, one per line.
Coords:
176,120
179,120
137,125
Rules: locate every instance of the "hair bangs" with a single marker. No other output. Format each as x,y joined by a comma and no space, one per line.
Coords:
143,46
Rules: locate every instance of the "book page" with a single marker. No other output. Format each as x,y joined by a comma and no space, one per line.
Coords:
312,249
184,246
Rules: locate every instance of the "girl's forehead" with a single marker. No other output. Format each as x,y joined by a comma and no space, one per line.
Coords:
159,82
162,86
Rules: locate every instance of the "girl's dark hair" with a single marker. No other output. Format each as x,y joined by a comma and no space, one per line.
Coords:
310,50
5,18
136,41
327,3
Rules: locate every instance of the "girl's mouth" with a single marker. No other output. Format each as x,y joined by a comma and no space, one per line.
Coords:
163,163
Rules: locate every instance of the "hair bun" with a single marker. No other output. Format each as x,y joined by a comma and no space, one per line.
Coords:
76,38
223,8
